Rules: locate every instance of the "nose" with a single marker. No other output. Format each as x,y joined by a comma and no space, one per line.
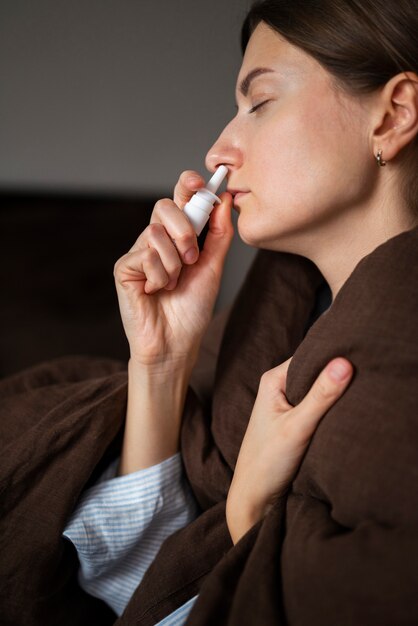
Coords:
224,152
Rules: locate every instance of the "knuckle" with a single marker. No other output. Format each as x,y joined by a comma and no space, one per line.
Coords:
155,230
175,270
163,280
188,174
158,280
118,265
183,186
116,269
149,255
268,380
184,238
322,390
162,204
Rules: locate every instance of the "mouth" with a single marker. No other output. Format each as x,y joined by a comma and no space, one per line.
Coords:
237,194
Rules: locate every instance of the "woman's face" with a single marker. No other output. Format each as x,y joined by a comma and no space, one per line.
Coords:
298,148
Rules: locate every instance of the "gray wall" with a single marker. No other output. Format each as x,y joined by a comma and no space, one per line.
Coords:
116,96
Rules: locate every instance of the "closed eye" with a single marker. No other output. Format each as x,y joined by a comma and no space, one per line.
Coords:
258,106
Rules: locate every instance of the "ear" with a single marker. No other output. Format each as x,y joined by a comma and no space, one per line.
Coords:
397,117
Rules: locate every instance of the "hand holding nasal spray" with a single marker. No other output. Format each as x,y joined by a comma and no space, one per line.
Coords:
201,204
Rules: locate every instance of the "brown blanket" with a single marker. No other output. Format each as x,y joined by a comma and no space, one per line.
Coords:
339,549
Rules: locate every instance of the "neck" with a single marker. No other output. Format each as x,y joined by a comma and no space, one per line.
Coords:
338,248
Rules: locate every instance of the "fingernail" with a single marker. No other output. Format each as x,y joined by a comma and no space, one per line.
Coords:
191,255
339,370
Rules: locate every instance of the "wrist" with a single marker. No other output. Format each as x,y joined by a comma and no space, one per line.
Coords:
154,414
163,366
240,518
171,372
159,391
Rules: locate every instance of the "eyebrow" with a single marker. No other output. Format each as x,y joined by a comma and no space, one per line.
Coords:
246,82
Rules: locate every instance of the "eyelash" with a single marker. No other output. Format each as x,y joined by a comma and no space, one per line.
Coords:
258,106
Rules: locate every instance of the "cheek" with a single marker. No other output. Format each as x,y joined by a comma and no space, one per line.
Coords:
307,152
308,165
286,152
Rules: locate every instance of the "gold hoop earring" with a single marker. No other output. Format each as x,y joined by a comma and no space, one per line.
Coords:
379,159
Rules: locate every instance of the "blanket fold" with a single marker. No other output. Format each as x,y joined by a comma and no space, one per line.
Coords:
60,425
339,548
347,544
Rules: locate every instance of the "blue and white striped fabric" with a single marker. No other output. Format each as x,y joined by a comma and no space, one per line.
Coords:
119,525
179,617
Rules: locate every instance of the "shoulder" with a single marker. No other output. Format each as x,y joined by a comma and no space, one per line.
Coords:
383,288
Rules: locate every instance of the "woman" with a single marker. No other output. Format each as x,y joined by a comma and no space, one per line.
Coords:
327,96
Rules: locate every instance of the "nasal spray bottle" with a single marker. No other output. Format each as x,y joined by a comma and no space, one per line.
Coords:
200,206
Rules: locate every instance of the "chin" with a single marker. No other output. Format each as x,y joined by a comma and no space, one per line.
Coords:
253,234
247,233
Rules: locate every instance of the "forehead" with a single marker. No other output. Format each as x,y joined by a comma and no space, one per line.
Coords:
267,48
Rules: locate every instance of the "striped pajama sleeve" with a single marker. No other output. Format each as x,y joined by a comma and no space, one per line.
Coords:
119,525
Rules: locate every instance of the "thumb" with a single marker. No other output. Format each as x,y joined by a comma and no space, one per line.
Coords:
326,390
221,231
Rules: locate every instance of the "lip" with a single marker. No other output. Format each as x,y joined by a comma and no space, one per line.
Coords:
237,193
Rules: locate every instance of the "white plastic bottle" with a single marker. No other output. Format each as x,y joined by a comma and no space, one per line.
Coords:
200,205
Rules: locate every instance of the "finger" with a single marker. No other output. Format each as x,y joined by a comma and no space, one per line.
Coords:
274,382
179,229
157,277
159,239
326,390
280,374
220,233
273,387
141,266
188,183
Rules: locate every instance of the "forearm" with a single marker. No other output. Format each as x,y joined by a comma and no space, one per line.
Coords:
153,418
240,517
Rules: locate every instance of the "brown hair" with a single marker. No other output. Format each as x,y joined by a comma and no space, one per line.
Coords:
362,43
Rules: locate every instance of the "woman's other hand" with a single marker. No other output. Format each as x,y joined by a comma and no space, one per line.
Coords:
275,441
166,289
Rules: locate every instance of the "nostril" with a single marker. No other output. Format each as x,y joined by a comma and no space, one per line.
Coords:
222,153
214,158
212,163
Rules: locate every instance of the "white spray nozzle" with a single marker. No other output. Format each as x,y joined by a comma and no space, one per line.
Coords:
200,206
216,180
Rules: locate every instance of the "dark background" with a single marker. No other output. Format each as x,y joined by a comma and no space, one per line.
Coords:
102,105
56,272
